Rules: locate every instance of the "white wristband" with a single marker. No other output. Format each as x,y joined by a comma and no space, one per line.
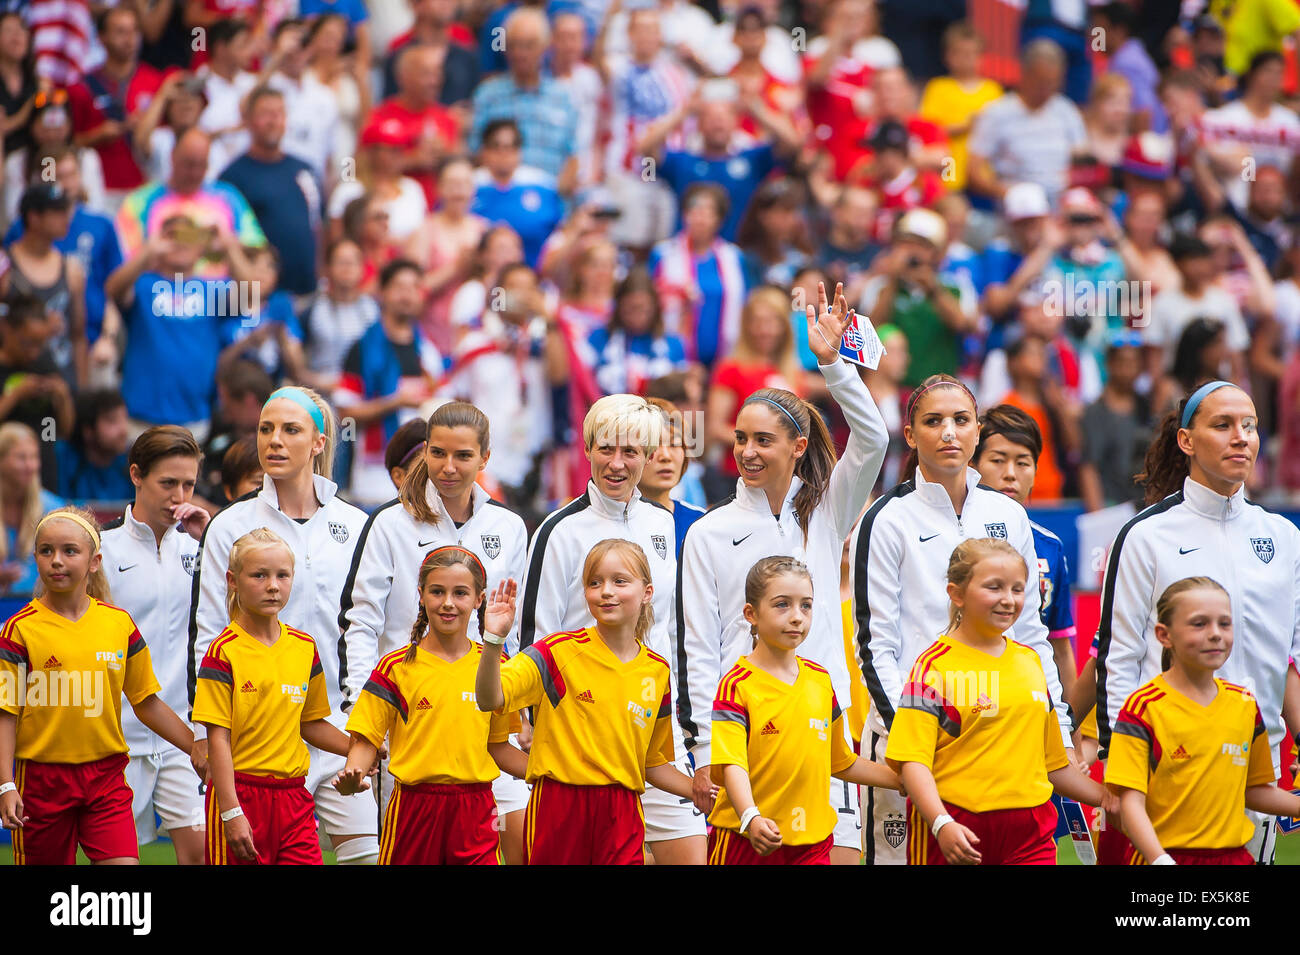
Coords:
939,822
493,639
8,788
1165,859
748,816
232,814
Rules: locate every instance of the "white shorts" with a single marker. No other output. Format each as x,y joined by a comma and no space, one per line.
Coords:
1264,841
884,812
510,793
339,815
165,784
848,822
668,816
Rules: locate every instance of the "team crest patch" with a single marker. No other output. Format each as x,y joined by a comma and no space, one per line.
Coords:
1263,548
187,563
895,830
998,530
491,545
660,543
339,532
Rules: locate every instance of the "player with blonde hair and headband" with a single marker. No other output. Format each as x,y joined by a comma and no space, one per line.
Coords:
299,502
66,660
619,433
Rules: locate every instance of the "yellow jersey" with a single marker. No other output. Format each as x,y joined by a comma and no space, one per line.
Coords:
947,102
427,709
599,721
789,739
983,724
1193,762
262,694
64,680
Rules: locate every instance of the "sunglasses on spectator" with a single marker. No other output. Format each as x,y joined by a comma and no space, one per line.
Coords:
53,98
1082,220
503,144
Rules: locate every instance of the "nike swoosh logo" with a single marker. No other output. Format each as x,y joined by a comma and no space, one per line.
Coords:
427,543
122,570
1187,550
930,538
742,540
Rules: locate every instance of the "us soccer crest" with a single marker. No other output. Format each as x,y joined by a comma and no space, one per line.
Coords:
660,543
339,532
998,530
491,545
895,830
1263,548
187,563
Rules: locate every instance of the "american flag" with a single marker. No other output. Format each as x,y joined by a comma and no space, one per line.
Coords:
61,35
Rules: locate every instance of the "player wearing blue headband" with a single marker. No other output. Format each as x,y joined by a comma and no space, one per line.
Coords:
1199,524
299,502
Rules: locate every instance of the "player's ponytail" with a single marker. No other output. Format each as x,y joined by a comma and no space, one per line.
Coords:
965,557
1168,603
449,556
96,580
636,563
1165,466
239,551
799,419
762,573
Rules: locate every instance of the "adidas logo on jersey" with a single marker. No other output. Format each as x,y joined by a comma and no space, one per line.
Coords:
52,662
586,697
248,687
424,704
982,704
1180,753
769,729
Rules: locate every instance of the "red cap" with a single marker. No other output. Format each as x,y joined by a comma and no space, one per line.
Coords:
387,132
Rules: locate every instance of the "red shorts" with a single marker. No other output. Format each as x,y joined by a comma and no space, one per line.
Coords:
1006,836
75,804
731,848
1238,856
440,824
583,825
1113,847
281,815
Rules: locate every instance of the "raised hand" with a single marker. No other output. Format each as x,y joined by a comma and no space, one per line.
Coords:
499,615
826,324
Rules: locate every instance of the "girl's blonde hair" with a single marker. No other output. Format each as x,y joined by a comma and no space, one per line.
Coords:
1168,603
622,420
414,494
323,463
769,297
97,580
636,562
253,540
966,556
11,432
449,556
762,574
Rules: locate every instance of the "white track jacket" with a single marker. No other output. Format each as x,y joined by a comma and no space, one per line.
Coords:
723,545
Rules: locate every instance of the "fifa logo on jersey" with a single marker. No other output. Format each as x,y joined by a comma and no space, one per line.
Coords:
112,657
1040,697
468,697
1237,751
296,692
821,726
640,713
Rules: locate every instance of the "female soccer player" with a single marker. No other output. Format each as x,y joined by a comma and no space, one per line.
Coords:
1199,523
777,735
603,718
149,555
900,559
975,738
445,751
439,504
788,472
261,692
298,501
620,434
66,659
1189,751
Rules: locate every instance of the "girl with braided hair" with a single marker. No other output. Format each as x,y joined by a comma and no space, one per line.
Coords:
445,752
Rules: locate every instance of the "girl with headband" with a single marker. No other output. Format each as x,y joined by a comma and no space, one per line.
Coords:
1199,524
68,788
440,503
793,499
445,752
299,502
898,562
